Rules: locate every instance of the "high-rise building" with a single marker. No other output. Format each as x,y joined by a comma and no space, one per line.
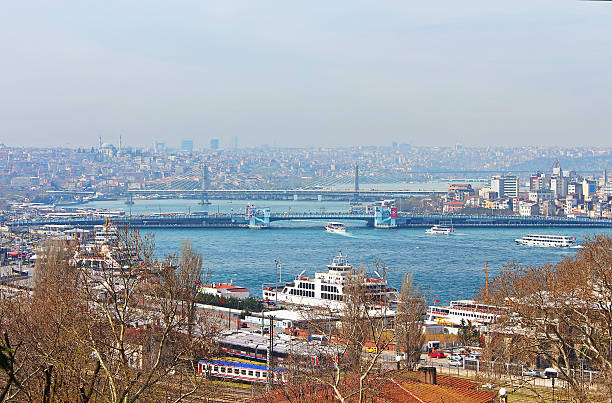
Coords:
187,144
559,185
214,144
159,146
505,186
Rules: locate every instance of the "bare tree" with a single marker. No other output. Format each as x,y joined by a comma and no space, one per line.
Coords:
409,332
345,364
560,315
121,332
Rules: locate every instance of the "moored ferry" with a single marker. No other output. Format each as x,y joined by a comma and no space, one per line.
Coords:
478,314
560,241
440,230
335,228
325,289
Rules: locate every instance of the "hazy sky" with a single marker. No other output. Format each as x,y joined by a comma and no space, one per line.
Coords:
302,73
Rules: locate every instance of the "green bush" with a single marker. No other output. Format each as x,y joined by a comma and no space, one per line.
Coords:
250,304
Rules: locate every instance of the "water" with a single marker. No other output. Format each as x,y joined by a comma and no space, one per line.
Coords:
446,267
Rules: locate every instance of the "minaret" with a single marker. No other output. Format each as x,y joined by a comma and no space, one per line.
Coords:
100,143
119,143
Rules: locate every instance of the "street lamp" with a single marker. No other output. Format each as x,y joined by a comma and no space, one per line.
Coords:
503,395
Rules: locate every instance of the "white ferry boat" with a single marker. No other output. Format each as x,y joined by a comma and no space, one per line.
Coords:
325,289
335,228
440,230
560,241
450,316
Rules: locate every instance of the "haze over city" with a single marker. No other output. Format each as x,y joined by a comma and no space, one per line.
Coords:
306,74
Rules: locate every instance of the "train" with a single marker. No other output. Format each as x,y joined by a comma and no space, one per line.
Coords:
240,371
251,346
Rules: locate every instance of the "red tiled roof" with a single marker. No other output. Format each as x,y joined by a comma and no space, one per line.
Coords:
396,386
228,287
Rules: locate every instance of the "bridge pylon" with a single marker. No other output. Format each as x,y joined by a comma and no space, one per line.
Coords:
205,186
356,195
259,218
129,199
385,217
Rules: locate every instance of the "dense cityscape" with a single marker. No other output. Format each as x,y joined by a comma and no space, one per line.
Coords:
298,202
50,199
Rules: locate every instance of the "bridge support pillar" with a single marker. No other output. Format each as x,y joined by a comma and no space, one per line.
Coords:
204,199
385,217
259,218
320,197
129,200
295,197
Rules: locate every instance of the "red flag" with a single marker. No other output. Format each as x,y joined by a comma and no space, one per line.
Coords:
436,301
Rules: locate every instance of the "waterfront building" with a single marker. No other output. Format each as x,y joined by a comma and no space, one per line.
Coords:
460,191
575,189
226,290
474,201
589,188
558,185
505,186
538,196
527,209
539,181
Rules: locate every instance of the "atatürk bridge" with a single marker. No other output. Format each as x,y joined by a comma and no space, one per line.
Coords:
381,217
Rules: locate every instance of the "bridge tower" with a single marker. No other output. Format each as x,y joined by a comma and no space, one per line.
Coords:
129,200
385,217
259,218
356,195
205,186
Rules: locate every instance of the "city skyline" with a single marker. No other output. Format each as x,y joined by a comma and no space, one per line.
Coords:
291,74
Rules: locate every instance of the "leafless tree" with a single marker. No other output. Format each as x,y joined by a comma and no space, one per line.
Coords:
345,365
409,333
560,314
121,332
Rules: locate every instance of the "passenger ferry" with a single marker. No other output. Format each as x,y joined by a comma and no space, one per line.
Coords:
335,228
560,241
440,230
325,289
450,316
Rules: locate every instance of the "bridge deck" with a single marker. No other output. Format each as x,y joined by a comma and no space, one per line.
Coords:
240,220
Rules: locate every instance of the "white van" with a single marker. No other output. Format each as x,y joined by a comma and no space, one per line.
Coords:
318,337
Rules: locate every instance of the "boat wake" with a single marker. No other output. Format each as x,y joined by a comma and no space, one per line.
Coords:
351,235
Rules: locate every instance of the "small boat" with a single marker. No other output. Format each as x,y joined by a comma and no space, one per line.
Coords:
559,241
335,228
440,230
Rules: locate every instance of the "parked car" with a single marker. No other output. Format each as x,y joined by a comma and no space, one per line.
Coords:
550,373
455,363
473,357
456,357
372,350
436,354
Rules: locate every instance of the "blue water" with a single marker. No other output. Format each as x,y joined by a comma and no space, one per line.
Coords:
446,267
